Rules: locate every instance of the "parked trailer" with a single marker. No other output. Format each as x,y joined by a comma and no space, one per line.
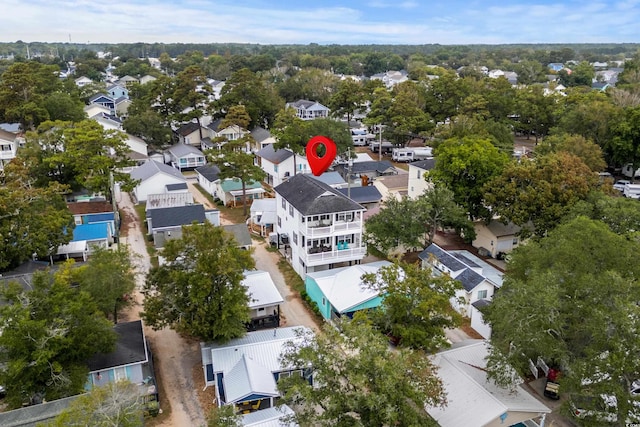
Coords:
422,153
387,147
631,191
404,155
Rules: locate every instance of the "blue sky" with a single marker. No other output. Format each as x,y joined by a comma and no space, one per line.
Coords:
324,22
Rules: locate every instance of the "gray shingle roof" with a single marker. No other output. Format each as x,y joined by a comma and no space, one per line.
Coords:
240,232
368,194
443,256
481,303
312,197
469,279
372,166
152,168
130,348
176,216
214,125
181,150
273,155
35,414
260,134
187,129
427,164
210,172
175,187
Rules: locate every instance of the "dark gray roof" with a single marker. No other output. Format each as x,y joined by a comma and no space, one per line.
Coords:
35,414
372,166
481,303
273,155
260,134
240,232
427,164
443,256
130,348
176,216
469,279
500,230
214,125
175,187
187,129
368,194
461,257
210,172
312,197
100,95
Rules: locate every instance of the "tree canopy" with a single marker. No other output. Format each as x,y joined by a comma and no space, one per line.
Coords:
198,290
570,298
48,334
358,380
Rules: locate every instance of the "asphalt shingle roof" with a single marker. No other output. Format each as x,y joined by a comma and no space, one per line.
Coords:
188,129
176,216
181,150
469,279
260,134
312,197
372,166
130,348
152,168
427,164
210,172
443,256
368,194
273,155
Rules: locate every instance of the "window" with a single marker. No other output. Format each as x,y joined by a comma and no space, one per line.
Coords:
418,174
323,301
515,241
261,309
284,204
295,238
290,210
482,294
279,222
275,168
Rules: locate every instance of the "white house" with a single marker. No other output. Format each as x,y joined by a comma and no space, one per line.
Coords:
185,156
9,144
83,81
279,164
262,137
496,237
230,133
391,78
264,299
319,227
245,371
418,185
262,217
93,110
474,400
208,176
154,177
479,279
392,186
308,110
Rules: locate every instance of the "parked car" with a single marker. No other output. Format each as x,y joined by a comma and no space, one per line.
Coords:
619,185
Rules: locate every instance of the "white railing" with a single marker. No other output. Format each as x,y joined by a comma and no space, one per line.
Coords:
8,154
322,230
336,256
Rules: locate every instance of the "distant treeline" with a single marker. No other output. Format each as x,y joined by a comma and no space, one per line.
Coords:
581,51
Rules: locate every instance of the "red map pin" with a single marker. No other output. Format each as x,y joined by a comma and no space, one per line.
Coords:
320,162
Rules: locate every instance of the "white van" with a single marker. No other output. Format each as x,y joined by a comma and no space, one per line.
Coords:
631,191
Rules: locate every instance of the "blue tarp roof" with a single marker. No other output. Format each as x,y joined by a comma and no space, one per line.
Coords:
90,232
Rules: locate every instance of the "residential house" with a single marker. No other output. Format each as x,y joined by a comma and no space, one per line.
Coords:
340,291
229,133
184,156
417,184
262,137
9,144
280,165
240,233
391,78
118,91
94,212
131,360
127,81
166,223
479,279
190,134
496,237
208,176
245,371
308,110
332,179
601,86
93,110
393,186
230,192
174,195
264,300
368,196
146,79
262,216
122,106
153,178
318,225
371,168
83,81
278,416
105,100
473,399
216,86
138,148
555,66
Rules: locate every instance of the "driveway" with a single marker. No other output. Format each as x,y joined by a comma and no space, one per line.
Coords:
174,357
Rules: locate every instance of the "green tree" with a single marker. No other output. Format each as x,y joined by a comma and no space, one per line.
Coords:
23,89
224,416
237,115
348,98
625,144
437,208
337,131
48,333
198,290
62,106
540,193
33,220
110,279
464,166
585,150
569,298
239,165
396,225
150,126
620,214
535,111
116,404
290,132
191,94
309,83
416,307
359,381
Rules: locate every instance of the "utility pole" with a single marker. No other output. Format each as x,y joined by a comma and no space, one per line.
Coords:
349,163
380,147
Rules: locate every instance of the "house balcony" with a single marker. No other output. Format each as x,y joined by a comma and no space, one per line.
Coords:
330,255
7,154
315,229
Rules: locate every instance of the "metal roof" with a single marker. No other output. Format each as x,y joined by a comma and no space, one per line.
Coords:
95,231
248,377
270,417
261,289
330,178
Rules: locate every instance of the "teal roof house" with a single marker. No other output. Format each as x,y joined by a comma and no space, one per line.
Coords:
339,292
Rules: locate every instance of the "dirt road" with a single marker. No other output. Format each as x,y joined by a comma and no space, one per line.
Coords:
174,356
